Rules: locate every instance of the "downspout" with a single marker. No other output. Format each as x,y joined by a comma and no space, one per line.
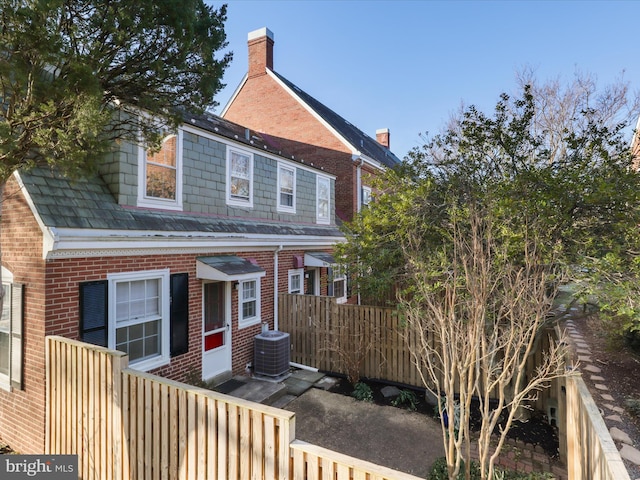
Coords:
275,287
359,185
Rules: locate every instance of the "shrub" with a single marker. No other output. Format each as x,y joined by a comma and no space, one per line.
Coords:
407,399
362,392
633,405
439,472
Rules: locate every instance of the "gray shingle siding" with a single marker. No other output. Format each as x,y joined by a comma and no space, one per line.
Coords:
109,200
205,183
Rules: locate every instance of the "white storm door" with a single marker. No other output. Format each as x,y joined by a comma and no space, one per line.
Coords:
313,281
216,331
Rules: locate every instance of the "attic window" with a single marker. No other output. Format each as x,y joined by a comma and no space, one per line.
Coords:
239,178
286,188
159,174
161,170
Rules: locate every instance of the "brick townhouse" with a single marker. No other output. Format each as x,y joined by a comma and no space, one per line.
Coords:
174,257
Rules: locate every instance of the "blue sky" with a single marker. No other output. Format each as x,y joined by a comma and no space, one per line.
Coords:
408,65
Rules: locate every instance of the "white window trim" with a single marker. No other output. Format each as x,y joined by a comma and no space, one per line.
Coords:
286,208
5,380
320,219
293,273
255,320
366,190
235,201
337,278
165,355
152,202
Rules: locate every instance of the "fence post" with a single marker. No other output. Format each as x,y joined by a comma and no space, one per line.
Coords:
120,450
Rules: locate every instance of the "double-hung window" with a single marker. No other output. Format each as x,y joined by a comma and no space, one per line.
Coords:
139,305
160,174
239,178
366,196
296,280
248,302
145,314
323,200
10,334
286,189
337,285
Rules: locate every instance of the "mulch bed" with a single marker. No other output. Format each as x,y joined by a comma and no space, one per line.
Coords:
535,431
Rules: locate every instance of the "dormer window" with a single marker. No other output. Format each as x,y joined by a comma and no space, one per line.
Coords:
323,200
286,189
159,171
239,178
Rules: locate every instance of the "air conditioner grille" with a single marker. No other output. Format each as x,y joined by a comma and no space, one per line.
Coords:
271,353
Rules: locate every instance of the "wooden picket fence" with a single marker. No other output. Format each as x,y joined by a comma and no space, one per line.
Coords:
124,424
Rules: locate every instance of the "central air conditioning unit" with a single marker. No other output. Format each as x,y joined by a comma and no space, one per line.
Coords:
271,353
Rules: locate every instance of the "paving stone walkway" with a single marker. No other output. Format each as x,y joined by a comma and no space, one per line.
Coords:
621,439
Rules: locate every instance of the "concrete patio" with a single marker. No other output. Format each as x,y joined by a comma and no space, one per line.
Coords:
276,392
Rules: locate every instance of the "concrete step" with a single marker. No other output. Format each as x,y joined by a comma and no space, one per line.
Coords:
260,391
283,401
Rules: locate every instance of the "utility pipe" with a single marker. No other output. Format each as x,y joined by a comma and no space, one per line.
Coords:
275,287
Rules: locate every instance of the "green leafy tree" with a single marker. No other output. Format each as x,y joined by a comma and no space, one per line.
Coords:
479,227
75,75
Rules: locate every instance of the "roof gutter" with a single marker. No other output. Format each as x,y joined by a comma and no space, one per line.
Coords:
65,243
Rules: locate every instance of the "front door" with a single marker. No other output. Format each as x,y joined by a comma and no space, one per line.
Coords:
216,332
313,281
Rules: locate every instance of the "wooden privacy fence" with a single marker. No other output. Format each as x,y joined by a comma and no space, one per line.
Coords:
323,333
331,336
591,452
125,424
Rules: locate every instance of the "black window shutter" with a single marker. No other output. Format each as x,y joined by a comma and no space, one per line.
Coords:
330,282
93,313
179,314
17,319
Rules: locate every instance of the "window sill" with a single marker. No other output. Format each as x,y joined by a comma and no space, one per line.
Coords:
150,364
159,204
248,323
5,384
290,211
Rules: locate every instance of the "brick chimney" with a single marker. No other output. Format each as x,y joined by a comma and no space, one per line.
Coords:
382,136
260,51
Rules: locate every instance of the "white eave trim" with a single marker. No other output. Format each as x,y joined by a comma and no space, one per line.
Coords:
78,243
369,161
235,94
48,235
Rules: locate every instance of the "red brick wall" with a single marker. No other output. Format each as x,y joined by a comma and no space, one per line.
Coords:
52,308
21,411
263,105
